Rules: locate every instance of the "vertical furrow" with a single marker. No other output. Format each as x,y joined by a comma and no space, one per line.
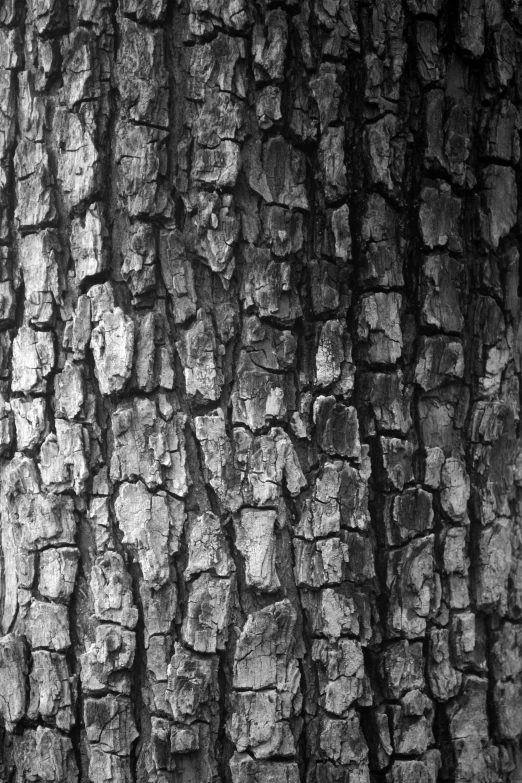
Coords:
467,387
399,722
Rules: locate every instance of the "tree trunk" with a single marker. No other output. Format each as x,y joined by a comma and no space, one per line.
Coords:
260,355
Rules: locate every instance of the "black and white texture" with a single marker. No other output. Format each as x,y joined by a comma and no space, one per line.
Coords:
260,356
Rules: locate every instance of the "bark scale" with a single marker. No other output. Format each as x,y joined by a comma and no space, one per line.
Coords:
260,354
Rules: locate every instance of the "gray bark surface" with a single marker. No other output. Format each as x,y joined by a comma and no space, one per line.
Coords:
260,357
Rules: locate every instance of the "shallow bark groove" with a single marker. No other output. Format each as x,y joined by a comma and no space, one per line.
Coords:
260,355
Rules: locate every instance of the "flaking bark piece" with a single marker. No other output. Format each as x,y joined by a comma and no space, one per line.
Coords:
107,663
149,444
52,690
58,567
151,524
47,625
33,360
342,678
263,657
260,724
48,751
30,419
207,547
39,258
378,327
191,685
209,603
410,586
256,541
112,344
109,723
112,591
244,768
13,678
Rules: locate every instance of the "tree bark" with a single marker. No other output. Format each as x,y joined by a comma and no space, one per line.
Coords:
260,355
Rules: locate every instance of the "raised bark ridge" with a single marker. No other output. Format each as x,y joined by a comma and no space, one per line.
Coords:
260,355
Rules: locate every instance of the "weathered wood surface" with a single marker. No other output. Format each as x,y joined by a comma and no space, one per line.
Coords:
260,356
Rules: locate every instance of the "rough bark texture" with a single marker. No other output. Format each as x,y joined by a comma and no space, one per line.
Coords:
260,356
